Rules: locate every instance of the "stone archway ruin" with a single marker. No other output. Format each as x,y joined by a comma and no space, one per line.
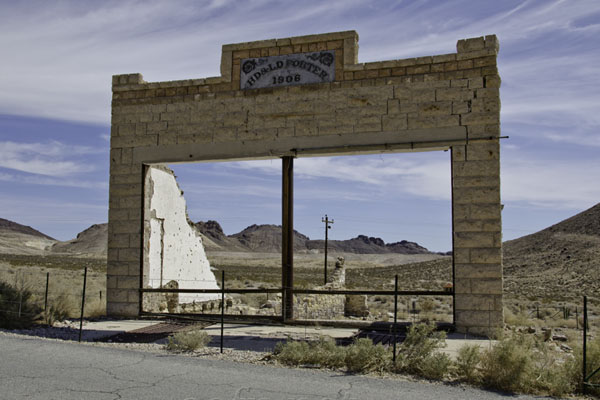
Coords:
308,96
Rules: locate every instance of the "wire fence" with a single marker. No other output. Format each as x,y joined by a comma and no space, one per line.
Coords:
201,297
48,300
591,356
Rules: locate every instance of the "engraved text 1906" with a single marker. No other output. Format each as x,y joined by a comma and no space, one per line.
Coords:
291,69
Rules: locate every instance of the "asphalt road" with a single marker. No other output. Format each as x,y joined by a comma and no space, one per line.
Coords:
42,369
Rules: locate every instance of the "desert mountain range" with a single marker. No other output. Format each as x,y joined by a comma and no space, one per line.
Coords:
92,242
267,239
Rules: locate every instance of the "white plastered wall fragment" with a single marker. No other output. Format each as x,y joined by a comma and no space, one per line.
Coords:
175,251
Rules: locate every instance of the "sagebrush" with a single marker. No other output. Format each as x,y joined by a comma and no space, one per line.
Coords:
18,307
418,353
187,340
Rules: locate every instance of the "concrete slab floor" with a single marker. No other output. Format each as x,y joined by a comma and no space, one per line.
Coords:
261,337
94,330
264,338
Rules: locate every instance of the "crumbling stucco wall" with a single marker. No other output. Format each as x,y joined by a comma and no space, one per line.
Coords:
174,249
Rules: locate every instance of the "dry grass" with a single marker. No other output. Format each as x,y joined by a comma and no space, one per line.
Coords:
64,289
187,341
360,356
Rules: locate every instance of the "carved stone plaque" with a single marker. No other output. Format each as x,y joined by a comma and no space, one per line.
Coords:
286,70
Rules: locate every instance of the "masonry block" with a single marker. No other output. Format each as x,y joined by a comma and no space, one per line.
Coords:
480,319
128,282
475,168
486,286
478,303
477,225
472,195
116,295
474,271
474,239
486,256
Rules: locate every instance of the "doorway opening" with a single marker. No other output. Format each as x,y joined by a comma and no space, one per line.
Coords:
392,216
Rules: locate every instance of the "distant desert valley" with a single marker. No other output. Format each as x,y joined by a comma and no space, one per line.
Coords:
553,267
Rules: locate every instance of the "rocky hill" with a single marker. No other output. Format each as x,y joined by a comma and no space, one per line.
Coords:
267,239
20,239
92,242
10,226
368,245
563,259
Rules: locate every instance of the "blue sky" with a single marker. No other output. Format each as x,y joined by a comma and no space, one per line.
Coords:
55,78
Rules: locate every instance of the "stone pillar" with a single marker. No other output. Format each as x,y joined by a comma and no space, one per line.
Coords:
125,207
477,237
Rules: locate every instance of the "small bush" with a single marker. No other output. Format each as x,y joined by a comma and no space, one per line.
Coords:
573,365
364,356
360,356
327,354
466,364
436,366
187,341
60,308
508,365
417,354
550,375
18,310
292,352
324,353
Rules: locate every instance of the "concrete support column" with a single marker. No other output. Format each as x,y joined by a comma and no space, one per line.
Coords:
287,240
477,237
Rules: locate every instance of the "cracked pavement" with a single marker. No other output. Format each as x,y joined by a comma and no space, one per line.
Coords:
33,368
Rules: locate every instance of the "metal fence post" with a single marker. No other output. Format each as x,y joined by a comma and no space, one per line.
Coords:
585,326
20,302
82,302
395,315
222,306
46,295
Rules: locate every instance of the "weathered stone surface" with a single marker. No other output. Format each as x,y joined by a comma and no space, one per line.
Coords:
356,306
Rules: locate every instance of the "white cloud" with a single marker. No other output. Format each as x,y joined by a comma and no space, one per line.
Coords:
526,180
65,52
44,158
49,181
552,184
424,177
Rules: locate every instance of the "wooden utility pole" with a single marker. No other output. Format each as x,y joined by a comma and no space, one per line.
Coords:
327,221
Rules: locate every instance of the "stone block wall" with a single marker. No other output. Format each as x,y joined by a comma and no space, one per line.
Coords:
477,237
425,103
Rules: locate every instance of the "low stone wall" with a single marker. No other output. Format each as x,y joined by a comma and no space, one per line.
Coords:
323,306
319,306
